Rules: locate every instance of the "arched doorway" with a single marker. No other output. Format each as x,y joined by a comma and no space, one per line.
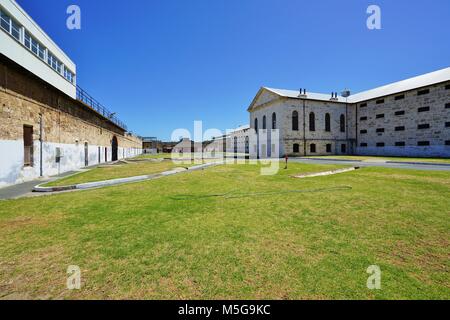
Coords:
115,149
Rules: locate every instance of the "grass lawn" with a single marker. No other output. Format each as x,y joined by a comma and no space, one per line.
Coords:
103,172
150,240
372,158
155,156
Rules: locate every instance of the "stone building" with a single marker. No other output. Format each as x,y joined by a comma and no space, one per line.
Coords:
48,125
235,141
406,118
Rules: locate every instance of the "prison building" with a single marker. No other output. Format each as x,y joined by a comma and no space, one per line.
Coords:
407,118
48,124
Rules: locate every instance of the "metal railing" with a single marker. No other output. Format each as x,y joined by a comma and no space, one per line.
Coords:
87,99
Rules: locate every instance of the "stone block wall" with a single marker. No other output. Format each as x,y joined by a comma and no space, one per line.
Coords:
396,125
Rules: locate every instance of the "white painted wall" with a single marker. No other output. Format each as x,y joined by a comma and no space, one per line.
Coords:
12,170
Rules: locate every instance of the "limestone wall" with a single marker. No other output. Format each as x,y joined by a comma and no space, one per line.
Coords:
284,109
397,120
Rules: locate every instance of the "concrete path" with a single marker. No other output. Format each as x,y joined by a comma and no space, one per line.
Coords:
387,164
22,189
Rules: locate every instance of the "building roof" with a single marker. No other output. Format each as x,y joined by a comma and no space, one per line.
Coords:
309,95
405,85
393,88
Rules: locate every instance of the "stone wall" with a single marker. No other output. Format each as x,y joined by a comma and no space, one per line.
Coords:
59,122
284,109
373,127
397,119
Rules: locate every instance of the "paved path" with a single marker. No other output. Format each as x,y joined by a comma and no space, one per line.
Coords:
430,167
19,190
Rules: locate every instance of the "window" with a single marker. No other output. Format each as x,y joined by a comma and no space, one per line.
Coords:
296,148
400,97
15,30
423,109
447,87
423,92
447,106
400,144
343,148
423,143
312,148
380,130
400,113
264,123
327,122
28,146
363,145
256,124
328,147
27,40
447,124
312,122
295,121
363,118
342,123
447,143
402,128
274,120
363,105
380,101
380,116
68,74
5,21
363,131
423,126
380,144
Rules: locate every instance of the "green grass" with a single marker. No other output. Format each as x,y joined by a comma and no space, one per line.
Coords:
137,241
101,173
372,158
155,156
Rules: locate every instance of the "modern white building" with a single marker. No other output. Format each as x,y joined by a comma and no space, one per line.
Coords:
25,43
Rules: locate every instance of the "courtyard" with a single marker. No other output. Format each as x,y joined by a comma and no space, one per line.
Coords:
228,232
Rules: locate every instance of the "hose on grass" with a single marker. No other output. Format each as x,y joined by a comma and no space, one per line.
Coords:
235,195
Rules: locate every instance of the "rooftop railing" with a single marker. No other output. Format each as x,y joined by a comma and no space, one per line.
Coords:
87,99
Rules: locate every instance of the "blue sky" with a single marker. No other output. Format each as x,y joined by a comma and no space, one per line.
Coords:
161,64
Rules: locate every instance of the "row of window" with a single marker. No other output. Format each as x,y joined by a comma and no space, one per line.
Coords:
402,112
403,144
19,33
295,122
420,92
402,128
313,148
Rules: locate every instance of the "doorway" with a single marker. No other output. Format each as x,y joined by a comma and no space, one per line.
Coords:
115,149
86,154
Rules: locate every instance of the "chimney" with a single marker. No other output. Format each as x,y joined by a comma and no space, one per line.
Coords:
302,92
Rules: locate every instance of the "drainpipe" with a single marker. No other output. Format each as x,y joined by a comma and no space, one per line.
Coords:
346,126
41,142
304,128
